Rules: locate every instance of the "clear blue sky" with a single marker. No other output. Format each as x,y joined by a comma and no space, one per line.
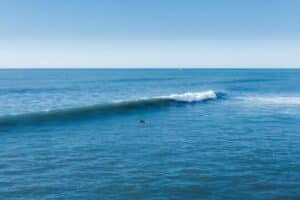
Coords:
149,33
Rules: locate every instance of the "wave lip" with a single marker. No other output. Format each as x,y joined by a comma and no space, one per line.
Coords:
192,96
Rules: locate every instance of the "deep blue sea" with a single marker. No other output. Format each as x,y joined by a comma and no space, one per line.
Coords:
149,134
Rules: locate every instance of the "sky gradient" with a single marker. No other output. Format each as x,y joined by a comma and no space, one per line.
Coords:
152,33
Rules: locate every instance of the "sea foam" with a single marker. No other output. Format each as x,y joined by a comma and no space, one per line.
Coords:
273,100
192,96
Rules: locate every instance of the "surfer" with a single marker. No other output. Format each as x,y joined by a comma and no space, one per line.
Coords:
142,121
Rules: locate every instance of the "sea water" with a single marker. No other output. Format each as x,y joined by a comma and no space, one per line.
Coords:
149,134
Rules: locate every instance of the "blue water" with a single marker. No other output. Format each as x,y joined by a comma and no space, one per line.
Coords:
208,134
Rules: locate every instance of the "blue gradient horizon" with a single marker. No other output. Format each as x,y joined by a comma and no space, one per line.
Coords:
149,33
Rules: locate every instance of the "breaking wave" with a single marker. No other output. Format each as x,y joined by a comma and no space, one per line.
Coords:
115,107
192,96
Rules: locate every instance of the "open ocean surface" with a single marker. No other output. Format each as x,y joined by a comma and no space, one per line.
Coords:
208,134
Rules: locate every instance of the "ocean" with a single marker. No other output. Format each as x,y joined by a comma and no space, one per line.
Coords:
149,134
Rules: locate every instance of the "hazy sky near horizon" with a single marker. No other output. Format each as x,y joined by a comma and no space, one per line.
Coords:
149,33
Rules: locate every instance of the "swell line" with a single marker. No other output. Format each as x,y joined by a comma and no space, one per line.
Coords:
115,107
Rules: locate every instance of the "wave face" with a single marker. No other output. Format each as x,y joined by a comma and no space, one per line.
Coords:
115,107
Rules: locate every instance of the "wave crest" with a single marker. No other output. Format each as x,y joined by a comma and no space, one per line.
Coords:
192,96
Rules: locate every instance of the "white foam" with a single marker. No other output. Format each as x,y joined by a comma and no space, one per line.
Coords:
273,100
192,96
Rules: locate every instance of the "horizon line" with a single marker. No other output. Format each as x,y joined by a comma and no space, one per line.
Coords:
152,67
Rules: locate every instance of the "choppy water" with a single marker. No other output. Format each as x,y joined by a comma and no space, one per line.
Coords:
208,134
